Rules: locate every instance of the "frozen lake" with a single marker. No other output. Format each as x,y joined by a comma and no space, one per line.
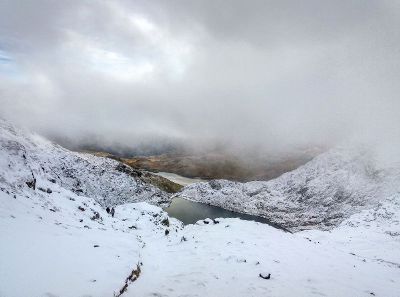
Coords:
184,181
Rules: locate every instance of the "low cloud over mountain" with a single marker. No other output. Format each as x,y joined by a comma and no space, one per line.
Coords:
241,75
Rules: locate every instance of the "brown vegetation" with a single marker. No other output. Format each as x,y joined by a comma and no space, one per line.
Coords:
214,166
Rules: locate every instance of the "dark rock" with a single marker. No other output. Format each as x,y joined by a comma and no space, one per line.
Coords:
32,184
166,231
123,289
265,276
215,185
81,208
96,216
165,222
128,170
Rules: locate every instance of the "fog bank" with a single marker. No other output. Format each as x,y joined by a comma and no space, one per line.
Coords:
266,76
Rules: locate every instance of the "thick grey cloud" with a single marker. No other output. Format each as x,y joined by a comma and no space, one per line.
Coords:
244,74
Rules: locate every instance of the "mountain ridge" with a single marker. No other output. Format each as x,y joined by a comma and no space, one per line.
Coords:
29,157
320,194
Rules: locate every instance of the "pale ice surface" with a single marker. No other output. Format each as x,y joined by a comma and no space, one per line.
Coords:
176,178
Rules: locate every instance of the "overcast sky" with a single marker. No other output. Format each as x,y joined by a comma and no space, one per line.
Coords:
267,74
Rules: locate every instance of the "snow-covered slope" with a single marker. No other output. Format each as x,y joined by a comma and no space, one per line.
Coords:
226,259
29,158
372,234
320,194
56,237
62,243
67,245
51,247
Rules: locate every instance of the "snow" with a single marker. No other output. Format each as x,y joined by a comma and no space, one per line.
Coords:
226,259
24,155
373,234
46,253
64,243
47,242
320,194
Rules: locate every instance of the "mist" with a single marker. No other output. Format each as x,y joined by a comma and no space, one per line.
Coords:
265,76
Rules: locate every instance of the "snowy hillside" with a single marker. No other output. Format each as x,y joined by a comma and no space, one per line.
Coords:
51,247
30,163
320,194
67,245
61,242
56,237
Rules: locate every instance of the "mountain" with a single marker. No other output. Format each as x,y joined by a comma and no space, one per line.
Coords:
320,194
57,239
30,163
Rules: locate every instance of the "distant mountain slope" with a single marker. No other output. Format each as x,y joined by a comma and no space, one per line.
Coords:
222,165
319,194
29,161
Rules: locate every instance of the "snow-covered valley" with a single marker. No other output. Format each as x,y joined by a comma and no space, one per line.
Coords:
57,239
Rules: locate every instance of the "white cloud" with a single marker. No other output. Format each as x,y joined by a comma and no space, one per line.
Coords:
263,74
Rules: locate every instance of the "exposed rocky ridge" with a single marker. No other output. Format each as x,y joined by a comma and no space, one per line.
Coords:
28,160
158,181
320,194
